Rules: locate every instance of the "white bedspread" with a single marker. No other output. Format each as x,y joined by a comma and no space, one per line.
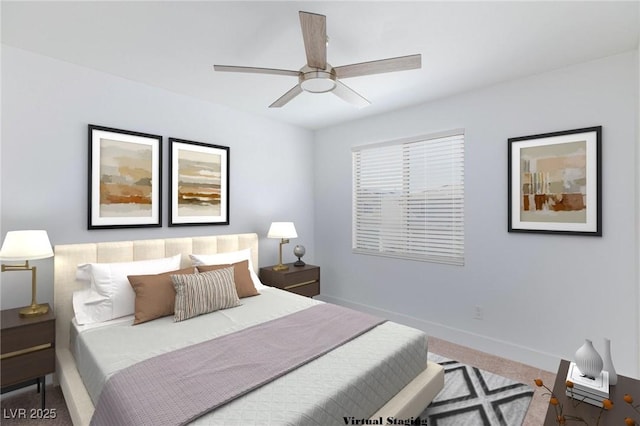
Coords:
353,380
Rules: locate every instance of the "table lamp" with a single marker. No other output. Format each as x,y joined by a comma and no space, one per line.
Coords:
26,245
284,231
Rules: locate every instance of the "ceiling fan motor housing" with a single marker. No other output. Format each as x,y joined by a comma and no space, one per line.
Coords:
316,80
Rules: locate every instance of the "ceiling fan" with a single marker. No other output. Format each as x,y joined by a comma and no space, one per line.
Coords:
317,76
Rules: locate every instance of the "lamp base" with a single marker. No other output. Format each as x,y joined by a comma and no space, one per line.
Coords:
280,267
34,310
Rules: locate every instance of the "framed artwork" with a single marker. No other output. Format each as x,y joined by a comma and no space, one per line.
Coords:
199,183
125,179
555,182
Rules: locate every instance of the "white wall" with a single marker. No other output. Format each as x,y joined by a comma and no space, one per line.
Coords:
638,195
46,107
534,289
541,294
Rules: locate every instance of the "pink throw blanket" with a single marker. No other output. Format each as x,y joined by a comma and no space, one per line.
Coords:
180,386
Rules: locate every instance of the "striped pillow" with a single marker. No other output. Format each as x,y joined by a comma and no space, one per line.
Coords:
198,294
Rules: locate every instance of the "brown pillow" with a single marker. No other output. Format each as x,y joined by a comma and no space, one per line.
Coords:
155,295
244,284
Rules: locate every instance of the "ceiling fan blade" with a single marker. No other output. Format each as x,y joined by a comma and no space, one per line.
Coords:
348,94
401,63
295,91
232,68
314,33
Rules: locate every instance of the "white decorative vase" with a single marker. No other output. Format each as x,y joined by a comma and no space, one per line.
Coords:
588,360
608,364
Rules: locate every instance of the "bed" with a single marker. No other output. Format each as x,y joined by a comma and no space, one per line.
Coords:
351,382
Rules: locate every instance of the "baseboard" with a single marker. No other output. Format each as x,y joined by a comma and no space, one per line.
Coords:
522,354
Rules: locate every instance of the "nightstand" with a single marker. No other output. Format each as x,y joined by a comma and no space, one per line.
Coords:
626,385
302,280
27,347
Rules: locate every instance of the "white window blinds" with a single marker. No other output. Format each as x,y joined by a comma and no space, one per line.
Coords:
408,198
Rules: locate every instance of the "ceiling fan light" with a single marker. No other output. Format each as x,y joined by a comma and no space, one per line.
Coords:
317,82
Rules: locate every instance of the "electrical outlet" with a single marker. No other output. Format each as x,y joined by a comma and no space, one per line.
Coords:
478,312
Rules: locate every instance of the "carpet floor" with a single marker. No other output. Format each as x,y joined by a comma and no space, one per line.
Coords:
23,408
471,396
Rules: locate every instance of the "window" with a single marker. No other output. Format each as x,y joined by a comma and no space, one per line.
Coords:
408,198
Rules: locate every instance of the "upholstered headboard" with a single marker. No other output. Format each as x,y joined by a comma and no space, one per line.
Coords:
69,256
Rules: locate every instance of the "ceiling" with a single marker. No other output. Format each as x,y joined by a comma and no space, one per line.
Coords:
464,45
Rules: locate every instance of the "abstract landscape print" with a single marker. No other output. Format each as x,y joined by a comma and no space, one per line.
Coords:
125,178
555,182
199,183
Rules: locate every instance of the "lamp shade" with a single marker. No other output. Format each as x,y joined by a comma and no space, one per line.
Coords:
282,230
26,245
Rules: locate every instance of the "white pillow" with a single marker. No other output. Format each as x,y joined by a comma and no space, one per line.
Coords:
228,258
110,294
90,307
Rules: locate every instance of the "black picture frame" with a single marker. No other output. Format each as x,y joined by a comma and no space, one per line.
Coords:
124,179
555,182
198,183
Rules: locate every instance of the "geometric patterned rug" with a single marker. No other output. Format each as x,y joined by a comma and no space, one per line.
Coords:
475,397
